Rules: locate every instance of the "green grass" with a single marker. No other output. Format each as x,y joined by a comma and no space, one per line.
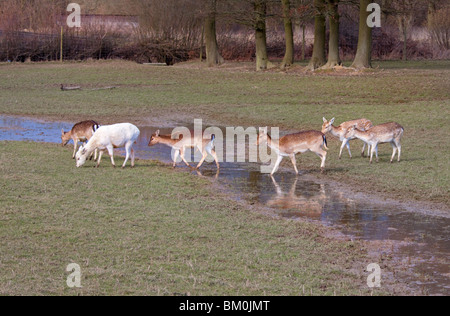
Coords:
414,94
152,231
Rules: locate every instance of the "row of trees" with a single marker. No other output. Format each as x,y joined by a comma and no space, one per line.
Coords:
187,26
404,11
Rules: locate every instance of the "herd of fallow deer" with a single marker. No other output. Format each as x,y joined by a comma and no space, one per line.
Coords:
106,138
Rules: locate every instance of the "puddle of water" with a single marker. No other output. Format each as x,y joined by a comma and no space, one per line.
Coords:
427,237
17,129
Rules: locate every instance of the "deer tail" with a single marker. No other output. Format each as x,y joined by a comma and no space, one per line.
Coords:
325,143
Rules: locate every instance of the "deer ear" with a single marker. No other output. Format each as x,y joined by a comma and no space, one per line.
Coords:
62,131
325,120
332,120
157,133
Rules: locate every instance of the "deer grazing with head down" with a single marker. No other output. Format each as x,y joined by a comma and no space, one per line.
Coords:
290,145
362,124
381,134
205,146
81,132
108,138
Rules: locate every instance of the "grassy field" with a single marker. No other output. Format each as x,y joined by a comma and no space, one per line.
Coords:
152,231
414,94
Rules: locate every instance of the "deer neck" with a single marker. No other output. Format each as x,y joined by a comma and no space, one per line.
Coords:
272,144
336,131
90,147
68,134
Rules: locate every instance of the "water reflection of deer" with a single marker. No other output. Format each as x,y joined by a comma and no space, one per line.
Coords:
206,174
298,204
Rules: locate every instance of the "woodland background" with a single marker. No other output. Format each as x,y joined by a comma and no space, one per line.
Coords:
325,32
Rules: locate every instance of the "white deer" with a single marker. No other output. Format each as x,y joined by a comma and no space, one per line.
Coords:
108,138
381,134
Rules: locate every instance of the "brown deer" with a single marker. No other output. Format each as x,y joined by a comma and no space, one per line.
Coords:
362,124
205,146
290,145
381,134
81,132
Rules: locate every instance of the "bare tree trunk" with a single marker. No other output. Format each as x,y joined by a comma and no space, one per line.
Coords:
318,57
333,53
213,57
431,10
289,35
202,43
303,42
405,40
363,58
262,59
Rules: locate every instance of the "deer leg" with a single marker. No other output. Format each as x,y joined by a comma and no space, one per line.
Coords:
342,148
133,156
348,147
294,162
277,187
277,165
175,158
368,150
128,152
184,159
323,156
99,158
75,145
216,159
345,143
394,149
371,153
205,154
213,153
95,154
111,154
